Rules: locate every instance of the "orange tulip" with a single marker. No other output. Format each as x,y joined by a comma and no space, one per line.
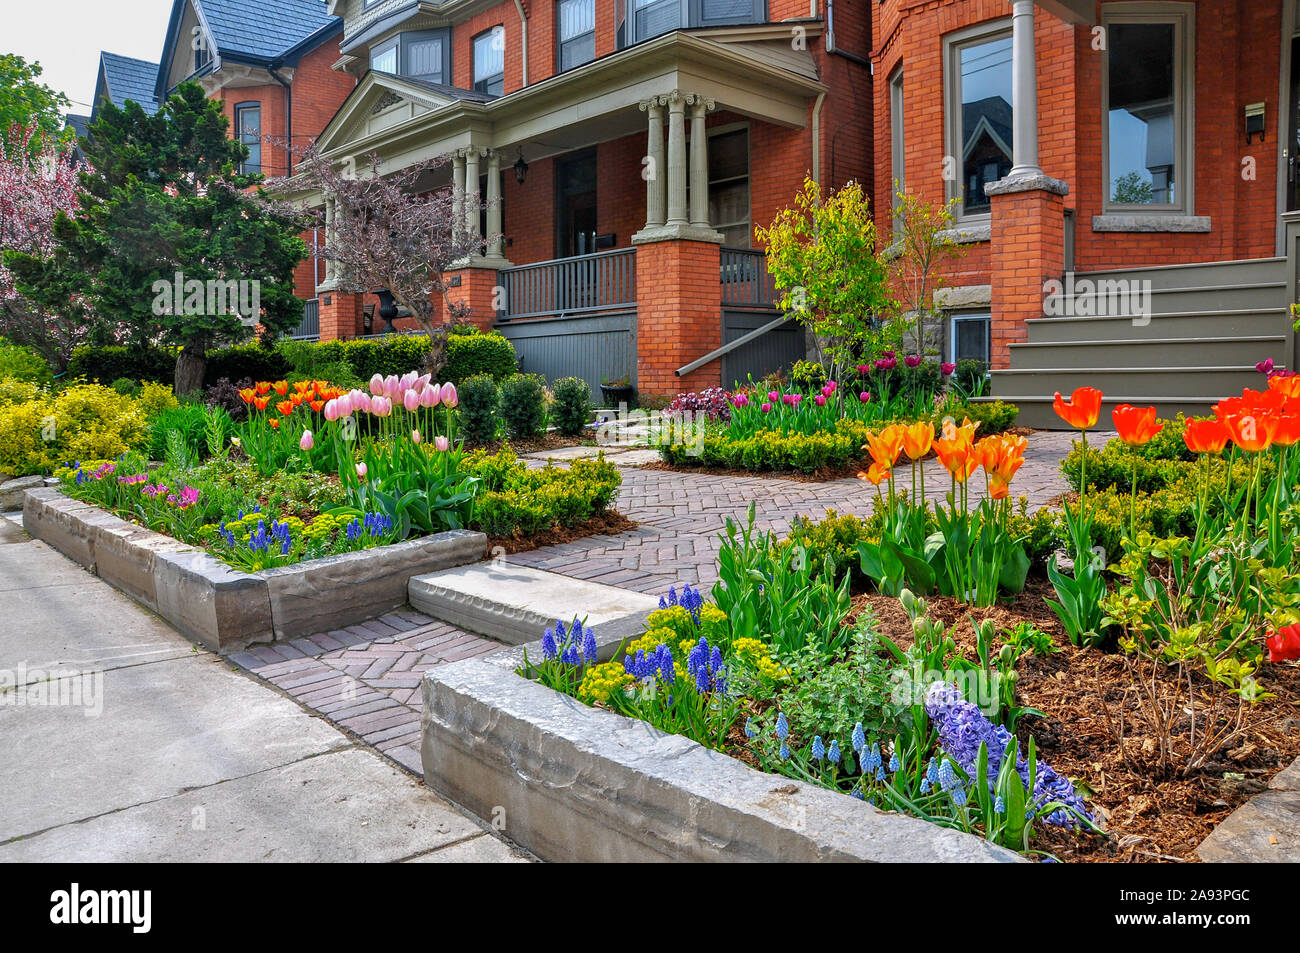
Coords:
1252,432
1288,430
886,445
1081,410
262,387
247,395
303,387
275,423
280,387
998,488
917,440
957,456
1001,456
1205,436
1136,425
285,407
316,405
1287,386
296,399
875,474
261,402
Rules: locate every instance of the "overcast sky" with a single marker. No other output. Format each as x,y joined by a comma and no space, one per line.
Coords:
65,36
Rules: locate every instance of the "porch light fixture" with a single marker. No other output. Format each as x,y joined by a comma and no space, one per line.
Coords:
1255,121
521,167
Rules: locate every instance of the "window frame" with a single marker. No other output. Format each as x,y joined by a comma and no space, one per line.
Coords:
897,145
400,42
560,42
953,44
726,130
392,44
475,84
247,166
955,317
1183,17
690,15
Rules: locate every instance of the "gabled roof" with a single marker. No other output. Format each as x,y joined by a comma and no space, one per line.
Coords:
265,33
79,124
375,92
122,78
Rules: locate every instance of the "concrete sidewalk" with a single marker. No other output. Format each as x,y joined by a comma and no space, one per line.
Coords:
122,741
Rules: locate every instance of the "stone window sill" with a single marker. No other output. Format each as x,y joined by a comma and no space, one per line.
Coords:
1151,223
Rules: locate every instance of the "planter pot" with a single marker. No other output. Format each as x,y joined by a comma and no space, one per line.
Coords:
613,396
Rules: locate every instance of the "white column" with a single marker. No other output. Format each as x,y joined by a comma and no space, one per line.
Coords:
471,192
676,159
1024,93
457,192
329,235
497,245
653,171
700,162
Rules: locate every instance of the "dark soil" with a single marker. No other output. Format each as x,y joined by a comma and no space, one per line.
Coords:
610,523
1150,815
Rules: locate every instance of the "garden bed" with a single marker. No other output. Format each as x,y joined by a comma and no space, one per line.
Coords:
224,609
573,783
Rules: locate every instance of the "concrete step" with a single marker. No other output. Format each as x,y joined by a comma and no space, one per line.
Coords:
1036,412
1188,325
514,604
1142,383
1202,298
1181,352
1197,274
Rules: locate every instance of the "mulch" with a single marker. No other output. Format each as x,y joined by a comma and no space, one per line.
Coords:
547,441
1148,816
609,523
823,475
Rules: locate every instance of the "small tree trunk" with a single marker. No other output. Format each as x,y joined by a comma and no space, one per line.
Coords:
191,364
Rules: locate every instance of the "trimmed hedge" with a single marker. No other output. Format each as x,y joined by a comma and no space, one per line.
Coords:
467,354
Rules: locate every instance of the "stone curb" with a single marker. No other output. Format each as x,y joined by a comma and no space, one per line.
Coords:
224,609
572,783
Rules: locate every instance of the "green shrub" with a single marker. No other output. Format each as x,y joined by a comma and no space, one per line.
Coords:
310,361
516,501
479,400
807,375
244,360
188,422
40,431
1163,462
22,363
113,362
994,417
390,354
471,354
572,409
523,406
126,386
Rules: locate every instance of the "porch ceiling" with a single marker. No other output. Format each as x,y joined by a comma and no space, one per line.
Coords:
596,102
1071,11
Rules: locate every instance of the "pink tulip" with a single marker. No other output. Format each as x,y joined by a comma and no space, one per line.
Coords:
431,396
411,401
415,436
422,382
407,380
343,405
392,387
820,400
360,401
449,394
773,395
332,409
377,385
865,397
829,388
361,470
306,442
381,406
767,408
441,443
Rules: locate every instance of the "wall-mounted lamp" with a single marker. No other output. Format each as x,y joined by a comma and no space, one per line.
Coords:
1255,121
521,167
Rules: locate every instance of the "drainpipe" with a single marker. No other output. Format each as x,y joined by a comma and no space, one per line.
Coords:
523,26
817,139
288,120
830,38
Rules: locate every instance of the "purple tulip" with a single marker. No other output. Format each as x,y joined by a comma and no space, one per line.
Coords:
865,396
947,369
766,408
912,360
1265,366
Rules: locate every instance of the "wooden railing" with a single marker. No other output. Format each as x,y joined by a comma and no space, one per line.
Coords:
605,281
745,281
309,328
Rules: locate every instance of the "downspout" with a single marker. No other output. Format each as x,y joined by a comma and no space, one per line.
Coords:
288,120
830,38
523,26
817,139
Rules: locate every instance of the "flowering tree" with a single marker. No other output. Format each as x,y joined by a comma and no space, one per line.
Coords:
38,181
388,234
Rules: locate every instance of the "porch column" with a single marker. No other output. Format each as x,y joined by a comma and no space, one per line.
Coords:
497,243
676,159
329,236
653,173
457,192
471,193
1024,91
700,163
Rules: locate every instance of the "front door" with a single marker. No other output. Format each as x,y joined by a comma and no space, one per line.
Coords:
576,205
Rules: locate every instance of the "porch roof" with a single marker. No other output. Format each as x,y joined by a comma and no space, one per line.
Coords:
751,73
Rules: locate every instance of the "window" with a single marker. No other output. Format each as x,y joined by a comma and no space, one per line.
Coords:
729,186
978,98
896,152
1147,102
650,18
419,54
202,55
248,127
490,61
970,338
576,30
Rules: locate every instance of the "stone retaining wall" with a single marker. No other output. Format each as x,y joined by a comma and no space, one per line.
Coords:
225,609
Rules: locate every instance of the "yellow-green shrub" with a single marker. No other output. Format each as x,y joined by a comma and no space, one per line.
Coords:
154,398
40,430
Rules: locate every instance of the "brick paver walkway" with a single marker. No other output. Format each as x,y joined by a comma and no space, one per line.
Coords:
366,678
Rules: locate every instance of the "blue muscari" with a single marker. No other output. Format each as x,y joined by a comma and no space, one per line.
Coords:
572,646
833,753
858,738
782,726
704,665
818,749
689,599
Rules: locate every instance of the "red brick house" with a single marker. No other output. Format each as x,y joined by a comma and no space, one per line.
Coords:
1142,155
556,111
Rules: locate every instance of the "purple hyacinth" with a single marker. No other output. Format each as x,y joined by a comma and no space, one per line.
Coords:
963,727
548,645
589,646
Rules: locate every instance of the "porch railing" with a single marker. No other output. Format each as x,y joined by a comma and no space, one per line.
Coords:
745,281
605,281
309,327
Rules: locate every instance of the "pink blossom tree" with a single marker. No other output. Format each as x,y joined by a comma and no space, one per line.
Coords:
391,231
38,182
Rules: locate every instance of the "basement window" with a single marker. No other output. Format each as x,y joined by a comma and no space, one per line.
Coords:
970,337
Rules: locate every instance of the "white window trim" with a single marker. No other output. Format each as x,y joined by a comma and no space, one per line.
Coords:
952,44
954,317
1183,16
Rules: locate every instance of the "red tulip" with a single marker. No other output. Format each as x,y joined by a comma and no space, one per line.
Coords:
1081,410
1284,644
1136,425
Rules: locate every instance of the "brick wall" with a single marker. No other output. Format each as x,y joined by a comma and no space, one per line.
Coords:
679,308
